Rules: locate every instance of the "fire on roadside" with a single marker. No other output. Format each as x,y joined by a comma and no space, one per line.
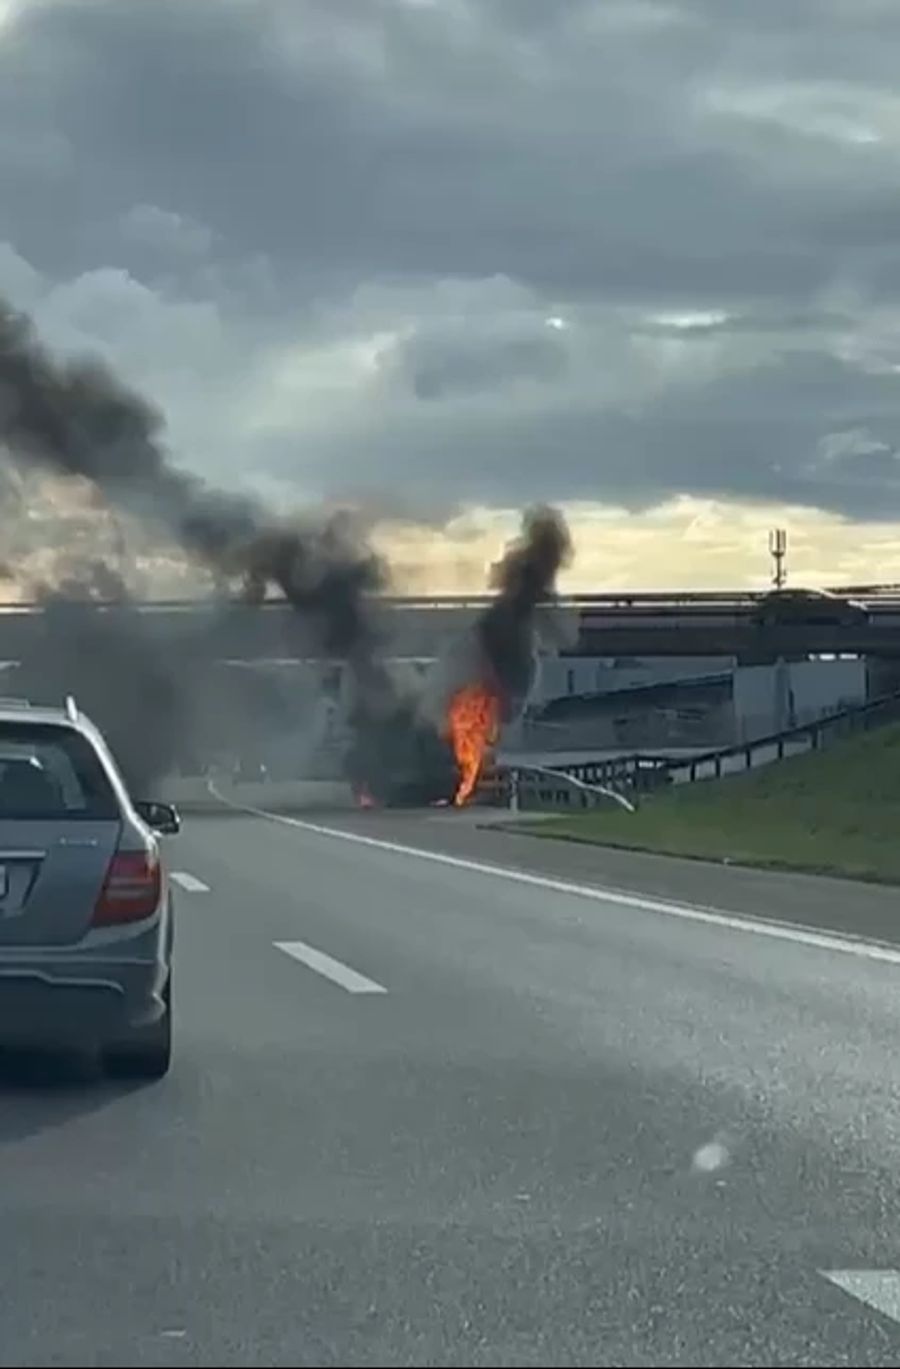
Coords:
473,722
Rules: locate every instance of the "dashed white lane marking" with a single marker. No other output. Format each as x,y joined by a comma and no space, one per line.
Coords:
878,1288
189,882
776,931
332,969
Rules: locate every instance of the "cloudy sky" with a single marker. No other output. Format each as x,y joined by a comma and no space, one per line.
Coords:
640,257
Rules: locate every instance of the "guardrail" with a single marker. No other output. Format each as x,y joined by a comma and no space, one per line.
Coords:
779,746
566,790
629,773
523,787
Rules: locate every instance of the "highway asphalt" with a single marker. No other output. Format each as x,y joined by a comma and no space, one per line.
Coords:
426,1111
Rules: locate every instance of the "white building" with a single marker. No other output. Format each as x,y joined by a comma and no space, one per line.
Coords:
698,701
559,676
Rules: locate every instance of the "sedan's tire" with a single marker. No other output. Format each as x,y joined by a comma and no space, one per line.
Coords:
147,1052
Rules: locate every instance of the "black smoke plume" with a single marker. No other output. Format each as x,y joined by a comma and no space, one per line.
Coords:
525,580
77,420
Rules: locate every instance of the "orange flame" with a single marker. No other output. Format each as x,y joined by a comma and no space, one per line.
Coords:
473,719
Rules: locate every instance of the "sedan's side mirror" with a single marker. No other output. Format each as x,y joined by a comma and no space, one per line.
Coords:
162,817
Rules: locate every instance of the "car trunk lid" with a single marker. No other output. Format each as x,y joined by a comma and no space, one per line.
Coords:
51,876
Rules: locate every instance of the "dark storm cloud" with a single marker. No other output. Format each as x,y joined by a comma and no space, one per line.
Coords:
631,155
373,144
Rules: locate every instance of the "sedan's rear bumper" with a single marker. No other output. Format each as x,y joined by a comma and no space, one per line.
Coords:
60,1004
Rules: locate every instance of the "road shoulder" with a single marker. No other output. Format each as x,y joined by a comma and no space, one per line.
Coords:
826,904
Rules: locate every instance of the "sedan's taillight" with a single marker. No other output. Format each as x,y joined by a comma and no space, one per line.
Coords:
131,889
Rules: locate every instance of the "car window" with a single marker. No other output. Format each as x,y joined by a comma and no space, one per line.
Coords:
51,772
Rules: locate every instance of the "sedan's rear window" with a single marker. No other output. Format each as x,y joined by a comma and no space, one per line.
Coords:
49,772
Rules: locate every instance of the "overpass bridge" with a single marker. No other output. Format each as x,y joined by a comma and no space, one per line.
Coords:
721,623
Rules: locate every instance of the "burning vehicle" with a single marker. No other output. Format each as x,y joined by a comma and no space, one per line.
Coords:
431,747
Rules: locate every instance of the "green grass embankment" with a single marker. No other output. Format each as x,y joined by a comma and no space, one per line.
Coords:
835,812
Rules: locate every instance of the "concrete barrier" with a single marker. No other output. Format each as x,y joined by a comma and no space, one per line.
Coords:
195,795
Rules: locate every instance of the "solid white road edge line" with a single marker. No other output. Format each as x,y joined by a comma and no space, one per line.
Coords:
777,931
189,882
878,1288
332,969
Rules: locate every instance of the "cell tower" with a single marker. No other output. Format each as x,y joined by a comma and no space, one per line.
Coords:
778,551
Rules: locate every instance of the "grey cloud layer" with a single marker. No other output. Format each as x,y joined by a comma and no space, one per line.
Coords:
470,236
